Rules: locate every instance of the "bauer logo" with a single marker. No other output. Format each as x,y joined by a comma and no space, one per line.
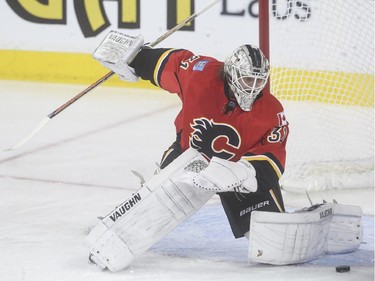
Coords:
254,207
124,207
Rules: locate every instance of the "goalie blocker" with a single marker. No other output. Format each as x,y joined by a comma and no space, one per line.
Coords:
149,214
290,238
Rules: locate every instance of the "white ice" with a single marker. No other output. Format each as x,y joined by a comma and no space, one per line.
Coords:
78,167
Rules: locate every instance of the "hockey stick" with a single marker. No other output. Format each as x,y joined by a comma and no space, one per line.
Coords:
104,78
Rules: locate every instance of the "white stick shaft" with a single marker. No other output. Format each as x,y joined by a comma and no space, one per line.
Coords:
29,136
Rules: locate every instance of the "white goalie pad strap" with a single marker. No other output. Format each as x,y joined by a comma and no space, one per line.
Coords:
157,208
116,51
111,251
345,229
289,238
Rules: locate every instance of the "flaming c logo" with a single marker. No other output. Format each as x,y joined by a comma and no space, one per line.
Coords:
214,139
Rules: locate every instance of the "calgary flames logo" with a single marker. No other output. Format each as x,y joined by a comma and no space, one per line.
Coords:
214,139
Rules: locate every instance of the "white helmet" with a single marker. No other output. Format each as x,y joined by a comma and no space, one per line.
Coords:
247,71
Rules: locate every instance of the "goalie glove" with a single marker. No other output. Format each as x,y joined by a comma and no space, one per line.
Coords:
117,51
223,175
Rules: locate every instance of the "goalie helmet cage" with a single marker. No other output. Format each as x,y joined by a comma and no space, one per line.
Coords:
322,69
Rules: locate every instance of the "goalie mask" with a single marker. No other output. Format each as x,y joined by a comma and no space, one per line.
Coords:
246,71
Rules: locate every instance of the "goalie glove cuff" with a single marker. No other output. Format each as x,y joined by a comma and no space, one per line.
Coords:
128,74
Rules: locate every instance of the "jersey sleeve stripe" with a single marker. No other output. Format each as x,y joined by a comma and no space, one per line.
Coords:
264,158
159,65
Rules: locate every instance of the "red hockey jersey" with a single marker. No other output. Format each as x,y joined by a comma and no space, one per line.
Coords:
197,80
258,136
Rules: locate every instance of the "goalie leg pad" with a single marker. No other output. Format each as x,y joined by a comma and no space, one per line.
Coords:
290,238
157,208
345,230
107,250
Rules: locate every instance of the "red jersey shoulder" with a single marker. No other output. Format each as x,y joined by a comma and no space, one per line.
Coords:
183,60
198,63
278,109
184,71
279,132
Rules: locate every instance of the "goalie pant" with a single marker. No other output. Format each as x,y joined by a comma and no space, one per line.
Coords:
290,238
149,214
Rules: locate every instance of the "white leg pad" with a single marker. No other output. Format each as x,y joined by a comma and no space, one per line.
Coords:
289,238
157,208
106,248
345,229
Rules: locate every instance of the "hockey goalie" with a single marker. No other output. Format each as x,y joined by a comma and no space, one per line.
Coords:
231,135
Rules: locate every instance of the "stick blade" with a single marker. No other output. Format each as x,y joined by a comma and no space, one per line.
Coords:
29,136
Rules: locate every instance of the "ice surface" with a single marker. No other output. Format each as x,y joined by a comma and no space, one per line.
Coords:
79,167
